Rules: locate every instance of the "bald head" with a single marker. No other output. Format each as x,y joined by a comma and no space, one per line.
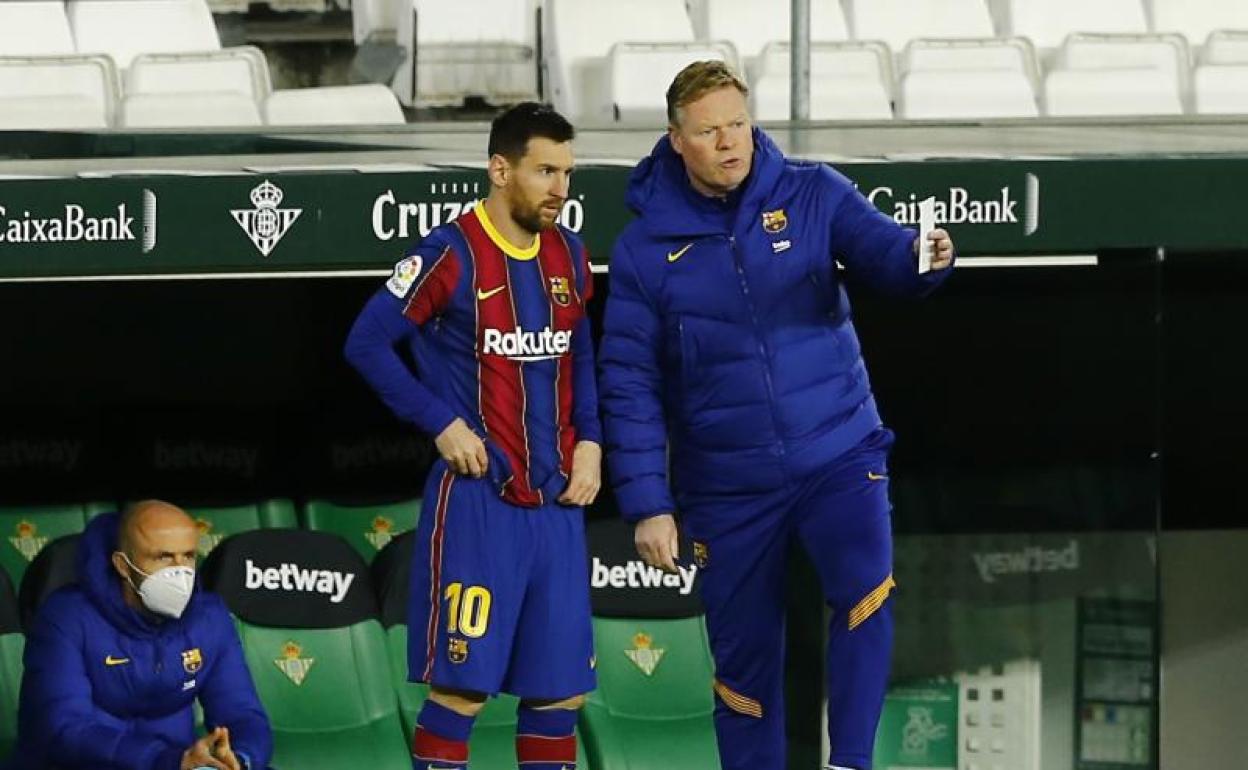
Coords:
152,535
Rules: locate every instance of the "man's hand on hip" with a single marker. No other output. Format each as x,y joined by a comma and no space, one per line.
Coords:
657,541
586,478
462,449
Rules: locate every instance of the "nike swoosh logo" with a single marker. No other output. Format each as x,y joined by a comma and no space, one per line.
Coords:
111,661
875,476
484,295
672,256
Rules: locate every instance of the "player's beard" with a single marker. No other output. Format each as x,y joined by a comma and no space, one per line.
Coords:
530,216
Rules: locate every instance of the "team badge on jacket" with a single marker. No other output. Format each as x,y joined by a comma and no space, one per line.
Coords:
560,290
192,660
457,650
293,664
381,534
644,654
775,221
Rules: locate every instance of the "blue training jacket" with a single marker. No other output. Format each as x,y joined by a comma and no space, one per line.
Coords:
106,689
728,331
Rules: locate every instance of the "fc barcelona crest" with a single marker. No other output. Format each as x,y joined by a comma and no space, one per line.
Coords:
381,533
27,541
775,221
293,664
644,654
192,660
457,650
701,554
560,290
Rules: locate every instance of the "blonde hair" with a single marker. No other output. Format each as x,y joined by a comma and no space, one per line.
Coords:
697,80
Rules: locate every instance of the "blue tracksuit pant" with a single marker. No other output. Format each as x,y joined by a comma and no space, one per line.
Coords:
841,516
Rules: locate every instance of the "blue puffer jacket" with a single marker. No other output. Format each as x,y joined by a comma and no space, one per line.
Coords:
729,333
107,689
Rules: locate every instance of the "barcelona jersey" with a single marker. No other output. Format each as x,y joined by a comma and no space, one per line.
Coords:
500,338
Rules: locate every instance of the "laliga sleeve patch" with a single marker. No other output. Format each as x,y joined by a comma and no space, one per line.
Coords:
404,275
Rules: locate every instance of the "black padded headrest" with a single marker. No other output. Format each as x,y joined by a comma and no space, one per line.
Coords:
392,569
623,586
10,620
291,578
56,566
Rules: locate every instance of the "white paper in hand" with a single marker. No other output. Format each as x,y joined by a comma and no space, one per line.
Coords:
927,223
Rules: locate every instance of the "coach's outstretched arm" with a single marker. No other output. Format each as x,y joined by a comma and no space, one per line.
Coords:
875,249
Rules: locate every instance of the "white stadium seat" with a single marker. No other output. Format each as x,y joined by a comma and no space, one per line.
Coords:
189,110
959,79
1220,81
242,69
1221,89
210,88
485,48
1126,91
124,29
750,25
635,69
897,22
1226,47
333,105
1168,55
577,36
848,81
57,92
34,28
1046,23
1196,19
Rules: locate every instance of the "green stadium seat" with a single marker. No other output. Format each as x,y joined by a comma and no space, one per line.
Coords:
654,706
658,720
493,743
218,522
368,528
11,646
307,616
27,529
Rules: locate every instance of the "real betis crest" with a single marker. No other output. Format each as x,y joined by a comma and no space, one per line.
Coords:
265,224
293,664
644,655
207,540
27,541
382,532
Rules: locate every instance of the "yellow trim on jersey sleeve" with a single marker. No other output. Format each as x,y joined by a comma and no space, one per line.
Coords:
512,251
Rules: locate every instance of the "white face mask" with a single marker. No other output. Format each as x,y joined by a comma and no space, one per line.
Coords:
165,591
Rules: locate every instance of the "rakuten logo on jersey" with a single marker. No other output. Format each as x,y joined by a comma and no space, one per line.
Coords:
519,345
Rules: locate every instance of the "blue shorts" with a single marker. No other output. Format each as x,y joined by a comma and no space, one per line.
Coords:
499,594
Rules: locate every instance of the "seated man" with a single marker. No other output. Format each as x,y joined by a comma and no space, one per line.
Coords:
114,663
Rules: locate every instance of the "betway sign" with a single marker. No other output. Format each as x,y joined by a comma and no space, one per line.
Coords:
959,206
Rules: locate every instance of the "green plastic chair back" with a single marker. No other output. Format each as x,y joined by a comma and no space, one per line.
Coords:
368,528
654,704
11,648
217,523
25,530
328,695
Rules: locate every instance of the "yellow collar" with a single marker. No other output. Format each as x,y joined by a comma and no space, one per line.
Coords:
512,251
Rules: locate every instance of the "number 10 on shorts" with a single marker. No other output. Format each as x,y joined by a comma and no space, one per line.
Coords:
469,611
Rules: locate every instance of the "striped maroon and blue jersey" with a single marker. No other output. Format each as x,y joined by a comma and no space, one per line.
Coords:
500,338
